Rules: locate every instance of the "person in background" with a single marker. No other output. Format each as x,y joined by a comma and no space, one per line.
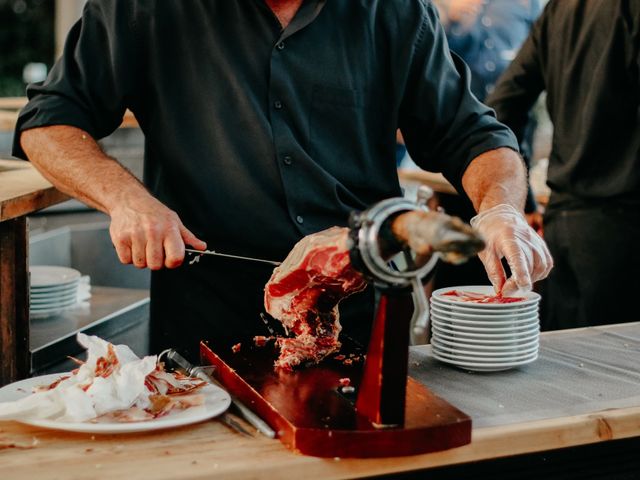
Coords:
586,55
486,34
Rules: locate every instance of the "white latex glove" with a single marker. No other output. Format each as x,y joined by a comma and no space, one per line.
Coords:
508,235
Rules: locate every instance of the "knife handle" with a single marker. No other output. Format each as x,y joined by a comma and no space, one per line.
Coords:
202,374
245,411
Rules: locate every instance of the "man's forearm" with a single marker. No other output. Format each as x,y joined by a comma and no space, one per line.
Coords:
495,177
143,230
74,162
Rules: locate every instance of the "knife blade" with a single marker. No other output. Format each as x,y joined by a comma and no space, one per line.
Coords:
227,255
201,373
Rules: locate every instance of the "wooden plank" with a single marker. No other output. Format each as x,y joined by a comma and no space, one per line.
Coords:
12,103
7,120
210,450
311,416
24,190
436,181
14,301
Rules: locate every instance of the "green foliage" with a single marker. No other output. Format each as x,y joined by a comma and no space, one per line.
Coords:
26,35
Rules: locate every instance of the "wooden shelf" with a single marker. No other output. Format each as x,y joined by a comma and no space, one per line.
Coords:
24,190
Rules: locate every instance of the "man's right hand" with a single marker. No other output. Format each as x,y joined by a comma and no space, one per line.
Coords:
146,233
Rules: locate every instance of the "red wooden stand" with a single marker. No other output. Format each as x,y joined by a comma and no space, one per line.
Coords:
392,415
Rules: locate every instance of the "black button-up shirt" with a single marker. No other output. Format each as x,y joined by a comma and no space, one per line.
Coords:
257,135
586,54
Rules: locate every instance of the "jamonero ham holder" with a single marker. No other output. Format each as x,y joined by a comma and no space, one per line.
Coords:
351,404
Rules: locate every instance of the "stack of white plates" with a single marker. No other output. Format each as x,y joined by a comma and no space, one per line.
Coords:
484,336
52,289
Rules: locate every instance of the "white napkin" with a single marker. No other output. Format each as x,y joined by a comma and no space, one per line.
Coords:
85,394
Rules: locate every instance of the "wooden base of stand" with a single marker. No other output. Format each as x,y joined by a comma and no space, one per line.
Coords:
312,416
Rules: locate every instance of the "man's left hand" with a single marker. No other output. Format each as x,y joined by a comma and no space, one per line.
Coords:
507,235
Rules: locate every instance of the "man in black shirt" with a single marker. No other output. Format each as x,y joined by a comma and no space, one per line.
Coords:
586,55
264,121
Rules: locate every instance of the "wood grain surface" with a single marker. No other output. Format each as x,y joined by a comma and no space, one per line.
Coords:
211,450
23,190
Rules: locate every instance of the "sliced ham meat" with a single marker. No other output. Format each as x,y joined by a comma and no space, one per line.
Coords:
473,297
304,292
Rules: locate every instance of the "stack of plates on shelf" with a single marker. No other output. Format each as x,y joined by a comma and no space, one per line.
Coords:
52,289
471,331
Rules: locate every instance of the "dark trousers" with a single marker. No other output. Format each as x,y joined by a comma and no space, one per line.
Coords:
596,277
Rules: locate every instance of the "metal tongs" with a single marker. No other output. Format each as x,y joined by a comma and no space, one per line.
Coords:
204,374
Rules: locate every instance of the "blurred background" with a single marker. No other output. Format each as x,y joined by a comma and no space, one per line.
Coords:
32,34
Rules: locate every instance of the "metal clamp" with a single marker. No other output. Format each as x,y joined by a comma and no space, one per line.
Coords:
366,228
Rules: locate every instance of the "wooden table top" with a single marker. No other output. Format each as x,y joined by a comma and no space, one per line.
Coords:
211,450
23,190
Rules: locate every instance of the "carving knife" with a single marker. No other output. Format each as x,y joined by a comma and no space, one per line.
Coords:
227,255
201,373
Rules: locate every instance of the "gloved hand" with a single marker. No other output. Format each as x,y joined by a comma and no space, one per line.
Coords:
507,235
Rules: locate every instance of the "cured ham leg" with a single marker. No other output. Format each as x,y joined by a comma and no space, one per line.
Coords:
305,290
304,293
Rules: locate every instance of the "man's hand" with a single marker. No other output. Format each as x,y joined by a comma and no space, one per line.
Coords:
496,183
148,234
507,235
144,231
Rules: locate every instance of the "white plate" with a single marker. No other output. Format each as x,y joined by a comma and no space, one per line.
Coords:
462,308
497,329
489,325
49,276
441,340
53,301
61,293
52,309
54,288
487,342
475,367
531,298
45,314
487,337
507,316
481,360
216,402
498,356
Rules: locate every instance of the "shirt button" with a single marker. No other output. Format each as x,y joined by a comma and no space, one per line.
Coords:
486,21
280,46
490,66
277,104
299,219
489,44
287,160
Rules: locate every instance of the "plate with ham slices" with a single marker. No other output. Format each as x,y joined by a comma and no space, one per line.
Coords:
112,391
475,329
483,297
